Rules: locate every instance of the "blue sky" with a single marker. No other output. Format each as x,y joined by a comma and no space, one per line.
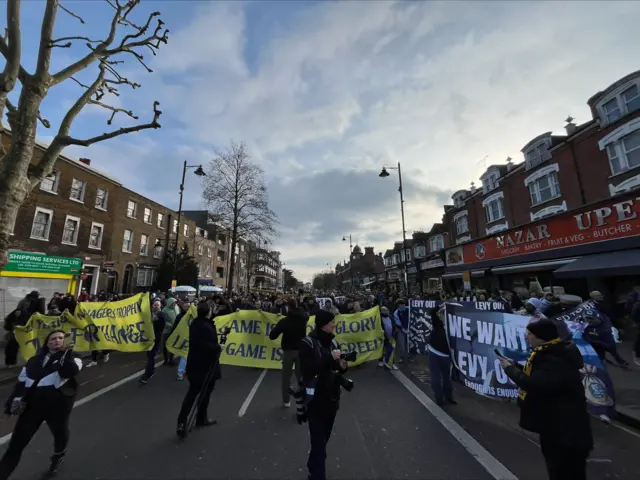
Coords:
325,93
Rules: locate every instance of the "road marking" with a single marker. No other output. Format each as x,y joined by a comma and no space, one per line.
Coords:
252,393
618,425
491,464
95,395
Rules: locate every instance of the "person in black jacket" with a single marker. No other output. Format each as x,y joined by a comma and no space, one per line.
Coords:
320,364
440,359
159,319
45,392
293,329
204,352
552,401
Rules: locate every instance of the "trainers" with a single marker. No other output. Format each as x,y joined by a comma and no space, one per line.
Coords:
144,379
106,358
180,377
56,463
181,431
91,364
287,404
381,363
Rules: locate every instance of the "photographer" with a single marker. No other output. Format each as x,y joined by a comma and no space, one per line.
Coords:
45,392
322,365
204,351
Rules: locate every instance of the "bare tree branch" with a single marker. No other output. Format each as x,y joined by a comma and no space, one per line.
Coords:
69,41
46,34
13,46
45,123
78,17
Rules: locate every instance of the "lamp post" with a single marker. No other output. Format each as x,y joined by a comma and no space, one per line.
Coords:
344,239
199,172
384,174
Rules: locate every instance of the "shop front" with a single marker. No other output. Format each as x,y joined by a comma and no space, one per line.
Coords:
26,272
412,279
394,278
593,248
431,271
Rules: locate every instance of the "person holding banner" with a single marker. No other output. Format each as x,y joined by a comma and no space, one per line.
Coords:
159,321
45,392
552,400
440,359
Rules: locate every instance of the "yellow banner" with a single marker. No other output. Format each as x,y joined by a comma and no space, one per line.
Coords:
124,326
248,344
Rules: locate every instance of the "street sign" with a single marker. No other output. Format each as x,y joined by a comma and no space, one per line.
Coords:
40,263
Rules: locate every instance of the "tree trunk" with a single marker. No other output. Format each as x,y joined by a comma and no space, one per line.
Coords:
15,184
232,258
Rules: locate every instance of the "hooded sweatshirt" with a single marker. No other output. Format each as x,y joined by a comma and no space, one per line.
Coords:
170,310
293,329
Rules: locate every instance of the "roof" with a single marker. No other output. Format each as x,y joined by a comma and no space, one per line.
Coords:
613,86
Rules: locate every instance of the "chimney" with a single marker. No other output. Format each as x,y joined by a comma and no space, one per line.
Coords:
473,188
509,164
570,127
368,251
86,161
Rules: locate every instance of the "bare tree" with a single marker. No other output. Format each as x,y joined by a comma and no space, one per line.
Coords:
236,196
125,38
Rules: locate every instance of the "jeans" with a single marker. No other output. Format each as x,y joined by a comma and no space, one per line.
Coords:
182,366
320,428
564,463
440,370
387,351
187,404
151,361
289,360
401,345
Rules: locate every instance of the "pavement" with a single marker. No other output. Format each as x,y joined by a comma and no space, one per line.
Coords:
384,430
627,386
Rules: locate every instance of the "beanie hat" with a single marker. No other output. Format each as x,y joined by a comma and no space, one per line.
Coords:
324,317
544,329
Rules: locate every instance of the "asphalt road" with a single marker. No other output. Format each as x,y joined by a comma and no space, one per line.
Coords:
382,432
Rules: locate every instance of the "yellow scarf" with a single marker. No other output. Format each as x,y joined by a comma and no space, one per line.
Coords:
529,365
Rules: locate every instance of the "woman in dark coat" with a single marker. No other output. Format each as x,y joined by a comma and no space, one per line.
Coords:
552,401
204,352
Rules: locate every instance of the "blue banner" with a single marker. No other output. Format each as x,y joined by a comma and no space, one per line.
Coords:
420,325
474,333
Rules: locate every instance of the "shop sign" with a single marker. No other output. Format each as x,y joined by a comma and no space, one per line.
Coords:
40,263
394,275
412,269
607,221
108,265
437,263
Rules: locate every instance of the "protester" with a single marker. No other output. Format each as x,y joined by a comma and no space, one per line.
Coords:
170,318
293,329
552,401
440,360
204,352
320,362
159,320
401,320
45,392
388,328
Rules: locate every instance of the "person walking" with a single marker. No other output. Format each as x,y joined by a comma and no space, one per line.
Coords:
204,353
320,362
552,400
440,359
293,329
45,392
159,320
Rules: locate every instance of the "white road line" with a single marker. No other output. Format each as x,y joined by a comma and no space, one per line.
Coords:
619,426
491,464
95,395
252,393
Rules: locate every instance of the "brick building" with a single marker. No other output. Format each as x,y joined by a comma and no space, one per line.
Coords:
362,270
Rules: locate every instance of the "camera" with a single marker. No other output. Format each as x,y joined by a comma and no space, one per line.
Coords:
349,357
223,335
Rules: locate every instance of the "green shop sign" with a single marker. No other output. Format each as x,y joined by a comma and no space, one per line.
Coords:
40,263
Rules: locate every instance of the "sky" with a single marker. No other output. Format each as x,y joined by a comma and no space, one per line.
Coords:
326,93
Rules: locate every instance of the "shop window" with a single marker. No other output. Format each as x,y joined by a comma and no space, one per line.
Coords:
78,188
102,197
132,209
95,237
70,232
50,182
127,241
41,226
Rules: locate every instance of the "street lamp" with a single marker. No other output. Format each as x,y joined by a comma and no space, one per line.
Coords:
383,174
200,173
344,239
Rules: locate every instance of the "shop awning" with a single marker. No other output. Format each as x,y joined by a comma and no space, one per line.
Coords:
624,262
450,276
532,267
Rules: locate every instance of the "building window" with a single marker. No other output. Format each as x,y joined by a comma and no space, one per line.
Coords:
147,215
175,226
102,197
146,277
77,190
494,210
70,232
206,271
631,98
157,252
490,182
436,243
219,256
621,104
50,182
625,153
127,241
209,252
419,251
41,224
186,230
132,209
205,234
462,224
544,189
612,110
160,220
242,247
219,272
144,245
221,240
95,237
200,249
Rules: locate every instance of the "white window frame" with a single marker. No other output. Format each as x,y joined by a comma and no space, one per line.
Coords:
436,243
54,185
419,251
130,241
621,104
185,229
531,182
150,216
221,276
457,217
209,254
497,228
200,249
106,199
613,144
466,238
83,191
157,254
174,228
160,220
47,228
537,152
148,274
144,252
134,211
491,182
77,231
99,246
549,211
496,197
